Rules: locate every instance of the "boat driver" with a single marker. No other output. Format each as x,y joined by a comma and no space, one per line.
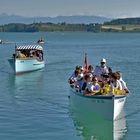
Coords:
101,70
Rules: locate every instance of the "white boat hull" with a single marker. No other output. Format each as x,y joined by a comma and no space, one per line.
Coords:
93,127
26,65
106,106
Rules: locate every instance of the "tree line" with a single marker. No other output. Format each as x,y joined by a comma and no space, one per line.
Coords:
49,27
126,25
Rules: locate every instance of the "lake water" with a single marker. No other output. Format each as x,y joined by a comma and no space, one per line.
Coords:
35,106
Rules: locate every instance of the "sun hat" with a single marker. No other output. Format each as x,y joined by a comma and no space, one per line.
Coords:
81,68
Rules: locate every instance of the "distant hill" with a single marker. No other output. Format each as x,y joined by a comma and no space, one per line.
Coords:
134,21
6,19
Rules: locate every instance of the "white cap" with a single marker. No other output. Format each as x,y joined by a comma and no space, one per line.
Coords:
103,60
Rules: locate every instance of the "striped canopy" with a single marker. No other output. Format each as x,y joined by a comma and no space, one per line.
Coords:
29,47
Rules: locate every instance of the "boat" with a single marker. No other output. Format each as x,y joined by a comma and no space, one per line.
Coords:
92,127
103,99
41,41
27,58
107,106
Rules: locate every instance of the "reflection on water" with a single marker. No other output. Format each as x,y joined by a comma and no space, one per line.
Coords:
32,79
120,127
93,128
25,86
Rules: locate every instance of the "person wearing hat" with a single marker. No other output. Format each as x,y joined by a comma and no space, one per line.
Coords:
101,70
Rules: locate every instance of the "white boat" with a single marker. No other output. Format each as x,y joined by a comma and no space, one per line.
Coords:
103,106
94,128
41,41
25,62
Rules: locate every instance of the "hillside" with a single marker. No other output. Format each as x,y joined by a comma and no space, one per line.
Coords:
133,21
122,25
77,19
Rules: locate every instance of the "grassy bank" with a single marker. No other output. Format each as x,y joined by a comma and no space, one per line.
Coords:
121,28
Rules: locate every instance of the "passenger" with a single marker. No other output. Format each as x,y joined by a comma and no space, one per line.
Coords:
32,54
81,70
102,69
84,82
40,56
77,77
73,77
91,69
105,85
106,79
96,84
80,82
87,81
110,72
124,86
115,86
80,78
93,87
20,55
77,67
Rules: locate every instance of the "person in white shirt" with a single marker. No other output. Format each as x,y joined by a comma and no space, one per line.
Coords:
77,76
101,70
123,83
88,81
92,87
115,83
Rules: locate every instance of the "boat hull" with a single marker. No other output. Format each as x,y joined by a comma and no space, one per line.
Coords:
102,106
26,65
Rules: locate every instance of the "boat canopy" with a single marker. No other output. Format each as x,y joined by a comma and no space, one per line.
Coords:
29,47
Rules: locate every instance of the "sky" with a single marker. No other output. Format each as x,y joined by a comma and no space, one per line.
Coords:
53,8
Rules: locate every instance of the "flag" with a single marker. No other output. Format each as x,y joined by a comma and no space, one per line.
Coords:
86,64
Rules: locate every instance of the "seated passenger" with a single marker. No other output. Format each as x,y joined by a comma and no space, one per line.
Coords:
115,86
73,77
105,85
109,72
20,55
91,69
93,87
33,54
87,81
80,77
41,55
96,85
76,79
124,86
